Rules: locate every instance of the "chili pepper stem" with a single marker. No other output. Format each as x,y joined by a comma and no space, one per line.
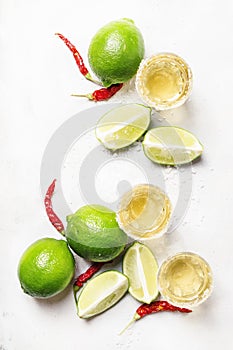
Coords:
62,233
135,318
89,96
89,77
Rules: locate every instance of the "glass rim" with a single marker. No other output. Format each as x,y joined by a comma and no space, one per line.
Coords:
129,232
186,303
139,78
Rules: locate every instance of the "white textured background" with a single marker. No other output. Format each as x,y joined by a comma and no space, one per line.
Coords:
37,74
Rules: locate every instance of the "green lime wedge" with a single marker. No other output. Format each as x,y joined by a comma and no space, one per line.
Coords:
101,293
141,268
123,125
170,145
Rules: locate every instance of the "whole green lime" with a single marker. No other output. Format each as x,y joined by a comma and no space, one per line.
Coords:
116,51
93,233
46,268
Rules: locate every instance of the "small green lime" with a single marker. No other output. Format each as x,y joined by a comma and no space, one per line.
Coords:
116,51
46,268
93,233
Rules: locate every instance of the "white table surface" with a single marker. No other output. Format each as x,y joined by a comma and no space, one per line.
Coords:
37,75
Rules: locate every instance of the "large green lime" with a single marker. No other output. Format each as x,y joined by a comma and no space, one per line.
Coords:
116,51
46,268
93,233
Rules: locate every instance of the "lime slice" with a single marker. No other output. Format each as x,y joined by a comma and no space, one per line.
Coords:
140,266
171,145
123,125
101,292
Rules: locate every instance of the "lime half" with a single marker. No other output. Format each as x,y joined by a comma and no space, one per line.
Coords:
123,125
141,268
101,292
170,145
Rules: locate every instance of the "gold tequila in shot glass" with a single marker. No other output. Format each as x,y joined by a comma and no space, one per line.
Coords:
185,280
144,212
164,81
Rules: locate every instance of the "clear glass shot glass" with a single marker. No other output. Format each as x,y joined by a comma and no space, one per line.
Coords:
185,280
164,81
144,212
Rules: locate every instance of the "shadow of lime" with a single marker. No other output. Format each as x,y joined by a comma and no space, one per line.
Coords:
56,298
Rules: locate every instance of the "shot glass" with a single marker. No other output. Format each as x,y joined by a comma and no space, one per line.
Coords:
164,81
185,280
144,212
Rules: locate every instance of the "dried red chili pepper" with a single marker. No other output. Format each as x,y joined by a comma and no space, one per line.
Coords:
53,218
84,277
154,307
157,306
103,93
78,59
